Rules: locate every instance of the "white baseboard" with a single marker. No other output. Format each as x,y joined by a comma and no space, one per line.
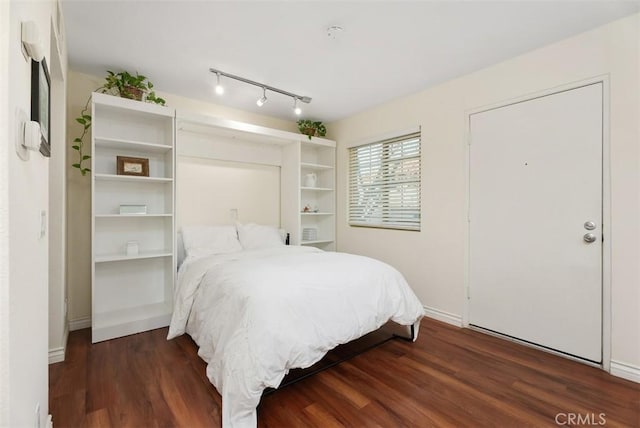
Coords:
443,316
56,355
79,323
625,370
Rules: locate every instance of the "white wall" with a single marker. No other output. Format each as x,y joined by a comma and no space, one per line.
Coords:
433,259
57,210
27,385
207,189
79,86
4,215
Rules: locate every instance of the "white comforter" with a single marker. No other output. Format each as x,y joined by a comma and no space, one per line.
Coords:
256,314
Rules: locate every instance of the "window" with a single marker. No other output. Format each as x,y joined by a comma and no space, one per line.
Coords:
384,183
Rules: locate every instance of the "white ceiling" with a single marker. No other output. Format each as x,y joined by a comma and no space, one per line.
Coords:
388,49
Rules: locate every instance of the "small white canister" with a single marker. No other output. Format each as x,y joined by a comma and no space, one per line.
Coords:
132,248
310,180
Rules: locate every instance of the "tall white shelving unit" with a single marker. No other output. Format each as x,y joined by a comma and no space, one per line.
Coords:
317,156
131,293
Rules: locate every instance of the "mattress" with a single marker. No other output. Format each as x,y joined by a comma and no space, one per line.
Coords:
257,314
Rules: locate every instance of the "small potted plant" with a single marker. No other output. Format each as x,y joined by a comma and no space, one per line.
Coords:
311,128
123,84
126,85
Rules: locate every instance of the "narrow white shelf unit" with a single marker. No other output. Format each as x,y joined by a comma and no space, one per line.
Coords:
120,144
124,257
315,157
315,166
131,293
131,215
317,242
317,189
114,177
122,322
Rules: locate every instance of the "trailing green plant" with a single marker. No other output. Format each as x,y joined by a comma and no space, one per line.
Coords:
311,128
122,84
78,143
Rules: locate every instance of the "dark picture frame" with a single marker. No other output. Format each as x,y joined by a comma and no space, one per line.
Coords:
41,103
132,166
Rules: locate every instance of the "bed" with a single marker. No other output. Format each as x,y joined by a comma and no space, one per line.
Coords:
256,310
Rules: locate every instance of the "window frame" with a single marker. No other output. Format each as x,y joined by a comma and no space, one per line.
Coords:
386,184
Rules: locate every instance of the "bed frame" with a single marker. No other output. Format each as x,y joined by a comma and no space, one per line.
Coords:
199,161
345,352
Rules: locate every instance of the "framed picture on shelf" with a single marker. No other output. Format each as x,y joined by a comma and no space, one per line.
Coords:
41,103
132,166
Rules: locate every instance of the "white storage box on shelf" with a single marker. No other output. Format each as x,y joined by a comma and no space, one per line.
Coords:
309,234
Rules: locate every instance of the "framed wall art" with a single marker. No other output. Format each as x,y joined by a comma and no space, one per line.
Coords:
41,103
132,166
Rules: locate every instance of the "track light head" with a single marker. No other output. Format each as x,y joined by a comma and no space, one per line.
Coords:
219,87
262,100
297,110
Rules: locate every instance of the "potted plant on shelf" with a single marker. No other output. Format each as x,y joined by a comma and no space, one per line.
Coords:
122,84
126,85
311,128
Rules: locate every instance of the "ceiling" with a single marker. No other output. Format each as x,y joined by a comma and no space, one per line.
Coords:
387,49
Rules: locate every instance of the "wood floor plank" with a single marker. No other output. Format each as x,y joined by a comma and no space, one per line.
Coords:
322,418
343,389
449,377
71,408
99,419
343,411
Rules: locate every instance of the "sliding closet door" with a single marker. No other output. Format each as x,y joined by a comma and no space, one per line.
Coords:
536,221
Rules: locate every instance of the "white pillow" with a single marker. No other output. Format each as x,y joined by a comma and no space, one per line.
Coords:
202,241
254,236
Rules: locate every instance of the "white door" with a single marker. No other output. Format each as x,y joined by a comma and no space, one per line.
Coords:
535,200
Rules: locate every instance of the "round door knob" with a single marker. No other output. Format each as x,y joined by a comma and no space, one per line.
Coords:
589,238
589,225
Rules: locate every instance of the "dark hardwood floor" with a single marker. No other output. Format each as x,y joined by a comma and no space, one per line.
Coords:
449,377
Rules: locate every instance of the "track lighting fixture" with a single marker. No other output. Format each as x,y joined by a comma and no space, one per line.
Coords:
297,110
219,87
261,101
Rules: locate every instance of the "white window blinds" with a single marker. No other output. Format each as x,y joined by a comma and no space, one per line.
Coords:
384,183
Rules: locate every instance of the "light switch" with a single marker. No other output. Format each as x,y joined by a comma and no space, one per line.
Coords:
43,223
